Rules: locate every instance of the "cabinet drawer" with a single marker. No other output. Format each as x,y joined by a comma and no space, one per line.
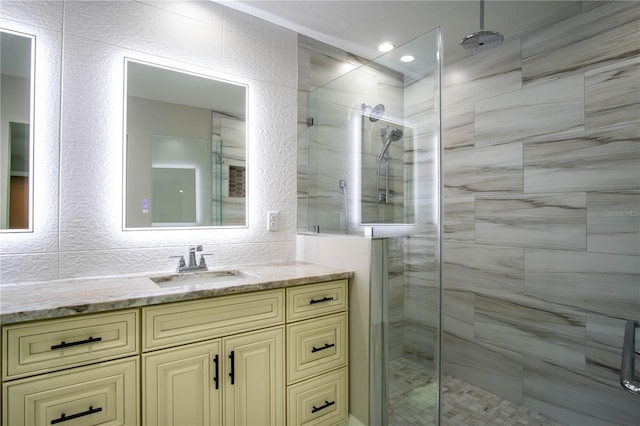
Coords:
319,401
316,299
44,346
187,322
316,346
105,393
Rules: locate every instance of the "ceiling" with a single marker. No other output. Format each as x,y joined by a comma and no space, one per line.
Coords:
360,26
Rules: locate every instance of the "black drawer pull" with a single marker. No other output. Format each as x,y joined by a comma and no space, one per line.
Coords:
217,368
64,418
326,346
324,299
326,405
64,344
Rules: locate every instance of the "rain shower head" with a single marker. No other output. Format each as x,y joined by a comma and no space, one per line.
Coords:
482,40
375,113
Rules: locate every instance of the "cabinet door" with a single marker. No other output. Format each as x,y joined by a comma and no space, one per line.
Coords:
254,392
182,386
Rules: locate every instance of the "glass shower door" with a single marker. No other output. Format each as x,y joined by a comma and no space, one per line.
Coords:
373,141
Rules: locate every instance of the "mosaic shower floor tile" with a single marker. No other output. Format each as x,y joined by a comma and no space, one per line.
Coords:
412,401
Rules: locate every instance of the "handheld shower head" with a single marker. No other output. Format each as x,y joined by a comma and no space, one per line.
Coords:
395,135
388,136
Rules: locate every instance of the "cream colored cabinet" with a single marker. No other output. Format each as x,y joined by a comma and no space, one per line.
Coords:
233,376
270,357
317,354
182,385
254,390
82,370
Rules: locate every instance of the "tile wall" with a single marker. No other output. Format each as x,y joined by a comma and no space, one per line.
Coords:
80,51
542,225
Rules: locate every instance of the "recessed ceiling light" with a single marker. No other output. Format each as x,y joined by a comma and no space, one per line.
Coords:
386,47
407,58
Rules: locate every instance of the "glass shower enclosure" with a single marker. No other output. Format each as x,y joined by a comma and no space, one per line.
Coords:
373,169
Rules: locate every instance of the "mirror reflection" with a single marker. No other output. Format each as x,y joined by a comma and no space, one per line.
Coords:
16,147
185,146
387,192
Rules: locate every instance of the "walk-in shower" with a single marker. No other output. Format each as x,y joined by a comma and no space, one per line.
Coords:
375,131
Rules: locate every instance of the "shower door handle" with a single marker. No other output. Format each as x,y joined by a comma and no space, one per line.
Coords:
627,369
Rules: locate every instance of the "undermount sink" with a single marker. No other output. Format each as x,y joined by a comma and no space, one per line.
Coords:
195,278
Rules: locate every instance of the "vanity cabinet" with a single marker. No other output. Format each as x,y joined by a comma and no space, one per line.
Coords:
317,354
268,357
234,377
83,370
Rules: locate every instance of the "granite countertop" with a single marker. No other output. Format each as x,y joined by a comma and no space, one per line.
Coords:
52,299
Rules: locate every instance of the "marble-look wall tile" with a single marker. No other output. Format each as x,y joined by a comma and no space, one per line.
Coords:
457,126
326,63
421,305
604,344
482,76
606,284
594,38
546,221
542,330
458,313
576,398
566,217
459,219
612,94
596,160
613,222
484,269
552,108
493,368
490,169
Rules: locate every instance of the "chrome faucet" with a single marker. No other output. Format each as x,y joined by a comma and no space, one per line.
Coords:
193,264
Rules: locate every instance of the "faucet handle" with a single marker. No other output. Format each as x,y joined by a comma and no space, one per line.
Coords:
203,263
181,263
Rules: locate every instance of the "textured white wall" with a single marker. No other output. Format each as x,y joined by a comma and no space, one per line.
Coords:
81,48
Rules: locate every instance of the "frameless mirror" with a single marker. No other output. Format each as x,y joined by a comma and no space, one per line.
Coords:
16,142
185,149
